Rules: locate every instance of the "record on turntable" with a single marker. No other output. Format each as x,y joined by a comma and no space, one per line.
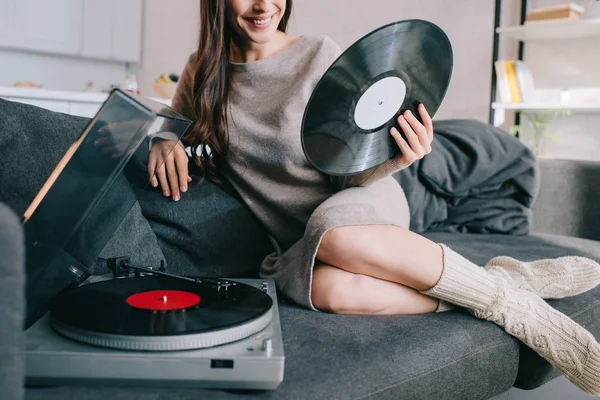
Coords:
346,124
156,313
138,324
158,329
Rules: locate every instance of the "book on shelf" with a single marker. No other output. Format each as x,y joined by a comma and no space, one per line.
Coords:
514,81
558,12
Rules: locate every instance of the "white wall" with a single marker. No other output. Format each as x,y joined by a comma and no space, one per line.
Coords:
170,36
471,37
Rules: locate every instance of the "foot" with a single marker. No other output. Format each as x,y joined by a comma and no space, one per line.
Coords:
566,345
554,336
548,278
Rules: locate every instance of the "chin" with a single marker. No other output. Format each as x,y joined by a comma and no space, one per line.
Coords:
261,38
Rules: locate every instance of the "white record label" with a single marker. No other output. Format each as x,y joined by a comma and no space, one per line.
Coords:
380,103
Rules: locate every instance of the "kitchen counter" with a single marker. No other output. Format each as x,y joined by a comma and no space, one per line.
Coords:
84,104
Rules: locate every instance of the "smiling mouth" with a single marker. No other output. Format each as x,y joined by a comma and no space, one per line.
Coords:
261,21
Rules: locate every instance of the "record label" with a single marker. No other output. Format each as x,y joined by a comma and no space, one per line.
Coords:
163,300
380,103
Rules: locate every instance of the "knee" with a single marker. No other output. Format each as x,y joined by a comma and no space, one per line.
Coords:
335,242
332,290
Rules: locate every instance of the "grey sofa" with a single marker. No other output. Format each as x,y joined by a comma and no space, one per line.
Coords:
435,356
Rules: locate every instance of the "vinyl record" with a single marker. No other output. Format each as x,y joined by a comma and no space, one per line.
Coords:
346,124
157,313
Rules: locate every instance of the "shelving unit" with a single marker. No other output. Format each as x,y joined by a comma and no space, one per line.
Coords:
539,31
561,30
547,107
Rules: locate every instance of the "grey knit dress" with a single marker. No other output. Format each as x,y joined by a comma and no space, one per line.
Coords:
266,163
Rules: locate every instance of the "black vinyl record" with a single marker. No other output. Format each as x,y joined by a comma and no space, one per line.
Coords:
153,306
346,124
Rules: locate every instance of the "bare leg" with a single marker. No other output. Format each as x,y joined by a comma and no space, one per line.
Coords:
394,254
342,292
384,251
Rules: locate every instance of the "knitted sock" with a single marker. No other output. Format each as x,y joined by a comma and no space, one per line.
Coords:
444,306
549,278
558,339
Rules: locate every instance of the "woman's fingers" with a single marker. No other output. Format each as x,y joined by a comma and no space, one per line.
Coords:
173,179
169,168
427,122
420,132
411,136
152,169
161,173
182,170
407,155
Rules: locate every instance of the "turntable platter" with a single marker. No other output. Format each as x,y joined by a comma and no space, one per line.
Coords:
157,314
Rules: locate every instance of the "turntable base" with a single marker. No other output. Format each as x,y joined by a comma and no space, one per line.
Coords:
256,362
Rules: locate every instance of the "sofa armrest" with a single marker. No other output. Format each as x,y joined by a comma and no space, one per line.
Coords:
568,202
12,307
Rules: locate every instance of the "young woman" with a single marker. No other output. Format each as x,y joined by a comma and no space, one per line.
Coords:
343,245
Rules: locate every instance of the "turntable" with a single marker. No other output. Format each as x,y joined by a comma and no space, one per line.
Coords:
217,346
132,324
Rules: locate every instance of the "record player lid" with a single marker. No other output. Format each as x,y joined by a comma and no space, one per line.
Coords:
91,191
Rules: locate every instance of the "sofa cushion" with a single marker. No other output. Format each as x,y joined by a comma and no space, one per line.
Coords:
32,142
448,355
208,232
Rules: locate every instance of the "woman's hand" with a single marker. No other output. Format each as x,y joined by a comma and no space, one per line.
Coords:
169,168
419,136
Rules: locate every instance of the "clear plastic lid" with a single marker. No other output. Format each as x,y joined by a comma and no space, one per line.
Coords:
92,190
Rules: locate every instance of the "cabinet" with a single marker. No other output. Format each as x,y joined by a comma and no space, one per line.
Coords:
127,30
52,26
112,29
99,29
8,8
76,103
97,25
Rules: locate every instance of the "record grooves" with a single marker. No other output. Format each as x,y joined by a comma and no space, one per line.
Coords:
202,314
346,123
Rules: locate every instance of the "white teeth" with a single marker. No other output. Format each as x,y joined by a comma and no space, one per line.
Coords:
261,21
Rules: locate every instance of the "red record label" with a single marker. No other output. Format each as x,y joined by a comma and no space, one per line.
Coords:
163,300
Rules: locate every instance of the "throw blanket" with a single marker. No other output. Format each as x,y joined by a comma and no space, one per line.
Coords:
477,178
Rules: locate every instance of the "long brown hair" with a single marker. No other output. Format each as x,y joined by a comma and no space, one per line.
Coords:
211,87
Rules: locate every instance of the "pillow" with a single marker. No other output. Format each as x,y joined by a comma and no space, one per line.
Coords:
32,142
